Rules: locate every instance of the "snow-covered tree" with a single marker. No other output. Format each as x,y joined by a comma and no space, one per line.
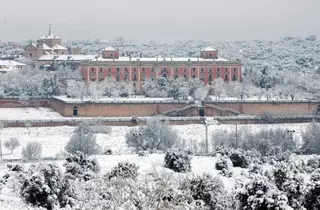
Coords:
83,140
219,88
12,144
157,134
201,93
32,151
311,139
77,89
96,90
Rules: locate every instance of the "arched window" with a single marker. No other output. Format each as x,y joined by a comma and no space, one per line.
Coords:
234,77
75,111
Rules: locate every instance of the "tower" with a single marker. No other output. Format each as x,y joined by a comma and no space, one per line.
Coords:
49,29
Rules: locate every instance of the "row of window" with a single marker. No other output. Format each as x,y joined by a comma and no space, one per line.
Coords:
176,76
164,69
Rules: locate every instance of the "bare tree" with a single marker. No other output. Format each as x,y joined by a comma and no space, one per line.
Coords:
12,144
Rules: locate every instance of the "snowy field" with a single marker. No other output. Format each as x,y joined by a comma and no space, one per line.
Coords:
148,164
53,139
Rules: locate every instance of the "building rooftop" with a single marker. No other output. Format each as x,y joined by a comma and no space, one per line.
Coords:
109,49
10,63
208,49
43,46
67,57
154,59
59,47
124,59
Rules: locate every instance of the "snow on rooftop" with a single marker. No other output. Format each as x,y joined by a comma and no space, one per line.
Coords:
45,46
66,57
50,36
10,63
112,100
59,47
109,49
209,49
123,59
154,59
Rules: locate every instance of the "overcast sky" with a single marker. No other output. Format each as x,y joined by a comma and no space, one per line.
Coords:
161,20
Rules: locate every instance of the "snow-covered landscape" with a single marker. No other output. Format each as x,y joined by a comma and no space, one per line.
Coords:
197,68
53,141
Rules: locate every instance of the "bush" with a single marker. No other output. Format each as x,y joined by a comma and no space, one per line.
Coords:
315,175
255,169
281,175
312,201
260,194
266,142
101,129
294,188
311,139
11,144
135,119
156,135
14,170
142,154
239,160
222,163
267,117
83,140
107,152
78,166
124,170
211,191
32,151
48,188
178,161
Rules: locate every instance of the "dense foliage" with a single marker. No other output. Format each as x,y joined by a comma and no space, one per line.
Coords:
123,170
80,167
178,161
48,188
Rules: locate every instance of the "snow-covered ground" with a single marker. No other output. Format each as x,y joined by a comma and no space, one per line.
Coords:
54,139
148,164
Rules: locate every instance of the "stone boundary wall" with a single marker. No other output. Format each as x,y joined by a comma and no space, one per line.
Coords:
176,108
172,121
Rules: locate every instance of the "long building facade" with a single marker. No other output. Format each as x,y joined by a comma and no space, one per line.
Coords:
208,67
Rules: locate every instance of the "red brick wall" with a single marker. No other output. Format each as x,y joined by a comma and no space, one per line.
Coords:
285,108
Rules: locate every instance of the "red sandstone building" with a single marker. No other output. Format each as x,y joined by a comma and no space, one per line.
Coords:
135,70
207,67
